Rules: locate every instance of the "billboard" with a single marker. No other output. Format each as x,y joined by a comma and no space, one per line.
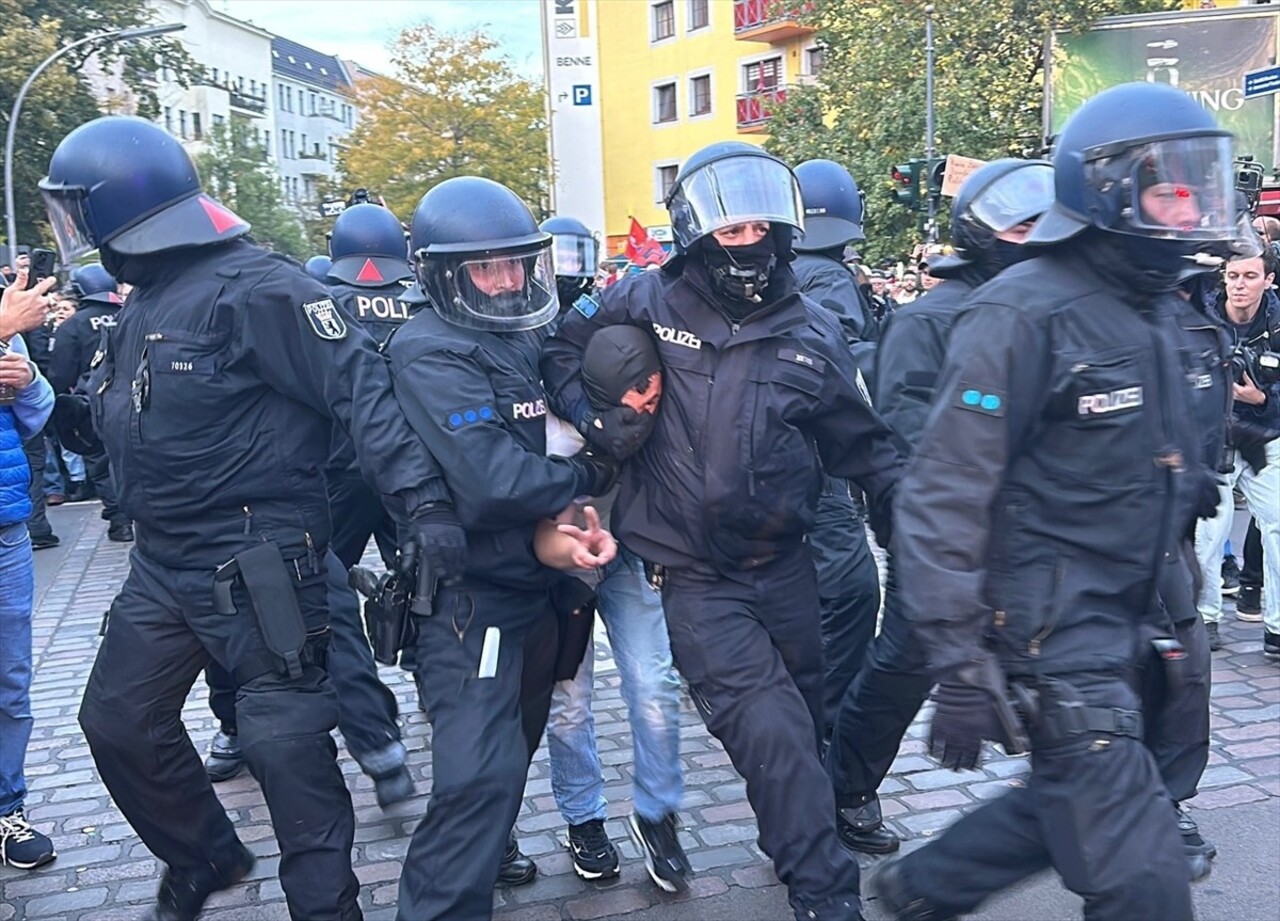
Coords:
1206,55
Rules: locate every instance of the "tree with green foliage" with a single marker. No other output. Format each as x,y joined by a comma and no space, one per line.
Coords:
235,171
455,108
60,99
867,109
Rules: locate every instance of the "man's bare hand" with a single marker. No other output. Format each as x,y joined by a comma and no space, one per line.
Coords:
15,371
593,545
24,310
1248,392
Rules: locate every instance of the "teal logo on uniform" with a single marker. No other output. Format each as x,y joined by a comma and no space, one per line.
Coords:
587,306
979,400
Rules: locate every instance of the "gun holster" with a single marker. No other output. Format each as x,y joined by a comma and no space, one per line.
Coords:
386,612
273,598
575,605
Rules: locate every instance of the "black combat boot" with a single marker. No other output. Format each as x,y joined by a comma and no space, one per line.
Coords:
516,869
183,894
861,827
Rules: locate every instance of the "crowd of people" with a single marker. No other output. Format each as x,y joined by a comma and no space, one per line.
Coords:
1042,426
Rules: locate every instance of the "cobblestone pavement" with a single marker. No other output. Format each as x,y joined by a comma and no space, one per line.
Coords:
104,872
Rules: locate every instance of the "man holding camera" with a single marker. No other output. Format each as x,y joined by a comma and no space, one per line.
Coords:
1250,314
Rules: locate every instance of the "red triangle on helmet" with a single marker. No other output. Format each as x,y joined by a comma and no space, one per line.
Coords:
369,272
221,219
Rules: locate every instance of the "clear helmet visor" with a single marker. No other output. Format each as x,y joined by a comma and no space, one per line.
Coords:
574,256
735,190
1179,189
501,292
1020,195
69,218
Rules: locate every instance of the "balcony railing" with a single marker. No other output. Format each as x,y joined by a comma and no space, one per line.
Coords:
756,108
772,20
242,100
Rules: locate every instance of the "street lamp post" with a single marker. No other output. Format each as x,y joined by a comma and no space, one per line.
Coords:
116,35
928,116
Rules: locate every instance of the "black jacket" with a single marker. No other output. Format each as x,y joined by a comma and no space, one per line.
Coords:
77,340
476,400
40,344
1263,335
829,282
1043,495
913,344
730,473
216,397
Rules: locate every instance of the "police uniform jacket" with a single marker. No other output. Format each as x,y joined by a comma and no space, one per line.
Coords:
913,344
1043,494
215,399
40,343
730,474
476,399
77,340
831,284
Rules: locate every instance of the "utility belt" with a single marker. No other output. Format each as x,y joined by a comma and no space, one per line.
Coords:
271,583
1055,713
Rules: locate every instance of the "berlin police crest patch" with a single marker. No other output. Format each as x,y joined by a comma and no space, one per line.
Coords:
325,320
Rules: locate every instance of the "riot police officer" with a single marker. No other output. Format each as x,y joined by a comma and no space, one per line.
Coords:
848,581
215,398
758,385
466,375
574,255
318,268
1037,511
73,349
991,214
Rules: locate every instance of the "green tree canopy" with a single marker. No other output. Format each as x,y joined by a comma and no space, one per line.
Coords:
235,171
60,99
454,109
867,109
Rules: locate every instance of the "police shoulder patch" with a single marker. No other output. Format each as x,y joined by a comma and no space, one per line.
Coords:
326,322
982,400
587,306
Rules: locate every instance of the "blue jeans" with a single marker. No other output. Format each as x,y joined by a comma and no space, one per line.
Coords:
632,615
17,594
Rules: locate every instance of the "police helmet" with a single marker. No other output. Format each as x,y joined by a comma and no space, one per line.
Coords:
480,258
93,284
574,250
1143,160
994,198
833,205
368,247
124,182
732,182
318,268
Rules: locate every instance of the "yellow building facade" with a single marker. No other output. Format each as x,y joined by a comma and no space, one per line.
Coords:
676,75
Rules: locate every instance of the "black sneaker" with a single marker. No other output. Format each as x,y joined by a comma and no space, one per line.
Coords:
664,858
1192,841
21,845
1249,601
44,541
121,533
1230,575
516,869
183,894
594,856
1215,639
1270,643
225,759
861,828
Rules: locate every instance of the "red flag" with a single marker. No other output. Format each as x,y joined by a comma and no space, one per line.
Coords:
642,249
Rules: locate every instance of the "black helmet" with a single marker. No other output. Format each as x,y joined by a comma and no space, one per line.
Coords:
994,198
574,250
125,182
368,247
479,256
318,268
93,284
1143,160
833,205
732,182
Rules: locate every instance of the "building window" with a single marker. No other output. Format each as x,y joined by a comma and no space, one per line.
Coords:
253,87
288,99
218,121
700,95
280,94
699,14
813,61
312,102
762,75
196,132
168,119
215,76
266,142
664,103
664,178
664,20
182,123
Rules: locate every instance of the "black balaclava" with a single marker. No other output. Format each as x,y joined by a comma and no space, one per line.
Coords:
740,273
616,359
1005,253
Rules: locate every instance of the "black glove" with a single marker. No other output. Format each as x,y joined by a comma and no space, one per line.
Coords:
597,473
1207,494
618,432
440,540
73,423
964,716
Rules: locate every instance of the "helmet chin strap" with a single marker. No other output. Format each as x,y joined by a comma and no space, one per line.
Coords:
742,280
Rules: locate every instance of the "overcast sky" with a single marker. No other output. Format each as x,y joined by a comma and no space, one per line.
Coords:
362,29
